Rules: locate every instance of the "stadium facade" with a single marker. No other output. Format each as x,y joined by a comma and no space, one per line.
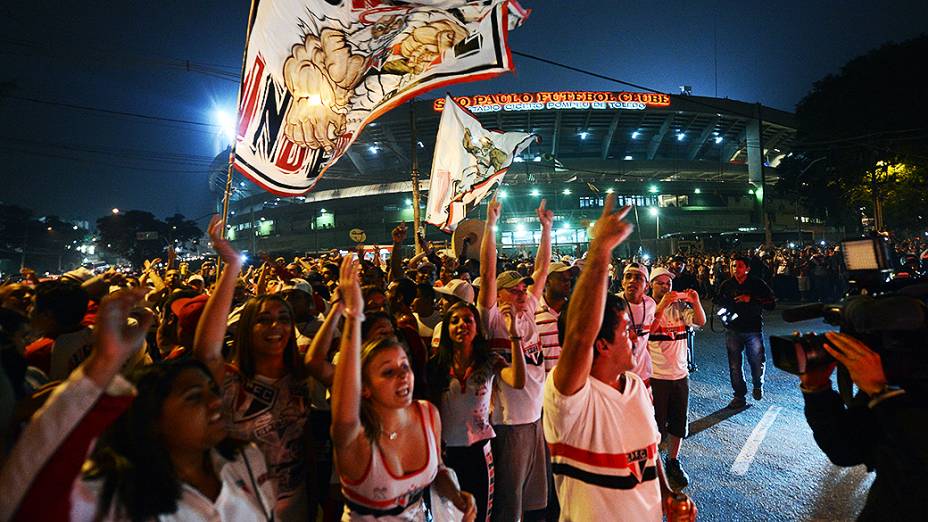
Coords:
694,167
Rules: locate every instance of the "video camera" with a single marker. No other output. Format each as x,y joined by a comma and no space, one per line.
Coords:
885,312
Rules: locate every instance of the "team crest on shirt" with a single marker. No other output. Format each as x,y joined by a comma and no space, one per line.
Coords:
636,462
262,398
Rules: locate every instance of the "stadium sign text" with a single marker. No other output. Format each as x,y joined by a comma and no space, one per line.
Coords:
539,101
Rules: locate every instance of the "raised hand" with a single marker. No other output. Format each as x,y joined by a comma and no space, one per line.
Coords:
493,210
545,216
512,326
226,252
399,233
349,287
610,230
115,341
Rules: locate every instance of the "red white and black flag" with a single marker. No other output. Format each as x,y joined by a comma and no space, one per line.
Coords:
469,161
317,71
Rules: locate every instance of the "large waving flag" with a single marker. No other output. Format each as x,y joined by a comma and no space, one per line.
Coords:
317,71
469,160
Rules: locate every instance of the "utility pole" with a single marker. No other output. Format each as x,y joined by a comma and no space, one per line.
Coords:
414,142
768,232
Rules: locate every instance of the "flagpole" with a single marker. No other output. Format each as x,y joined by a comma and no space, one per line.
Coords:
415,176
228,191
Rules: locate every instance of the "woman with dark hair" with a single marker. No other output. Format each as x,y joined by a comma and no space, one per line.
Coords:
265,393
461,375
386,444
164,455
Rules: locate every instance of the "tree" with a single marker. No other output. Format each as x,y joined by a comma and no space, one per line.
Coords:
134,235
862,138
182,229
137,235
43,244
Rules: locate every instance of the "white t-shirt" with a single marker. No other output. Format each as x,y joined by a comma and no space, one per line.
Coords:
667,343
465,408
511,406
640,317
68,352
272,414
604,451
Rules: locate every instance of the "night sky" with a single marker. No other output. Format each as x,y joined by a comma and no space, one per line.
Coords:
131,57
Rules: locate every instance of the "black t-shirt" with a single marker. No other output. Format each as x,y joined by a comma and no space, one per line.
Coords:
750,315
685,281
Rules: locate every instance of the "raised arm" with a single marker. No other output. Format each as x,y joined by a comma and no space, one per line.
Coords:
316,360
513,375
346,384
211,329
487,297
586,306
396,260
38,475
543,256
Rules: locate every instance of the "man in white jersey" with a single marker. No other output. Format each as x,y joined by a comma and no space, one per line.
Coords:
599,422
676,314
518,449
640,312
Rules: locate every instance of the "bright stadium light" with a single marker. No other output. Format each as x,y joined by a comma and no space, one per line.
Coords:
628,158
584,134
652,189
373,149
718,139
518,159
537,159
680,136
115,211
226,123
610,190
697,190
635,135
503,194
653,211
535,192
566,192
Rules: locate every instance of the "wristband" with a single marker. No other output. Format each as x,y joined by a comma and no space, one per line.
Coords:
888,392
515,337
351,314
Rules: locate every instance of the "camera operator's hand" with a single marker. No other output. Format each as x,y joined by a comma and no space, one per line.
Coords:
818,378
864,365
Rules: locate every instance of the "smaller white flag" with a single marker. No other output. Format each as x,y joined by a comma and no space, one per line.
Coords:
469,160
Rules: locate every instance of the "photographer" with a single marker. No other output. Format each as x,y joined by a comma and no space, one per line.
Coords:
883,428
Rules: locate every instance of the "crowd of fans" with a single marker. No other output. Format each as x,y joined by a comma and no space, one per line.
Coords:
347,386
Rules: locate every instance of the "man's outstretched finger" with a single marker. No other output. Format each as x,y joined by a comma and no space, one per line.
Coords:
609,204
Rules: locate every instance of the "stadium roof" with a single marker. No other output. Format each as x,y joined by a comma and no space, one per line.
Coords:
674,137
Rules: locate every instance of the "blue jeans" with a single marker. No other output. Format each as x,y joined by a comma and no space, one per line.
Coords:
753,343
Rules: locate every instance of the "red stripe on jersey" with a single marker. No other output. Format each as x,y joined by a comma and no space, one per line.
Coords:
592,458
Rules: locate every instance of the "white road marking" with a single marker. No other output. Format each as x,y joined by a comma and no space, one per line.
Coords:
746,457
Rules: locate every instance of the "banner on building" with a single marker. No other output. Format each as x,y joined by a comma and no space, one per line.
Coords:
469,161
317,71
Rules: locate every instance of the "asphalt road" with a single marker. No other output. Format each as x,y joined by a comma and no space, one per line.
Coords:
789,478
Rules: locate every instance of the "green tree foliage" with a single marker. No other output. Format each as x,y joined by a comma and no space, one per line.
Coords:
872,112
